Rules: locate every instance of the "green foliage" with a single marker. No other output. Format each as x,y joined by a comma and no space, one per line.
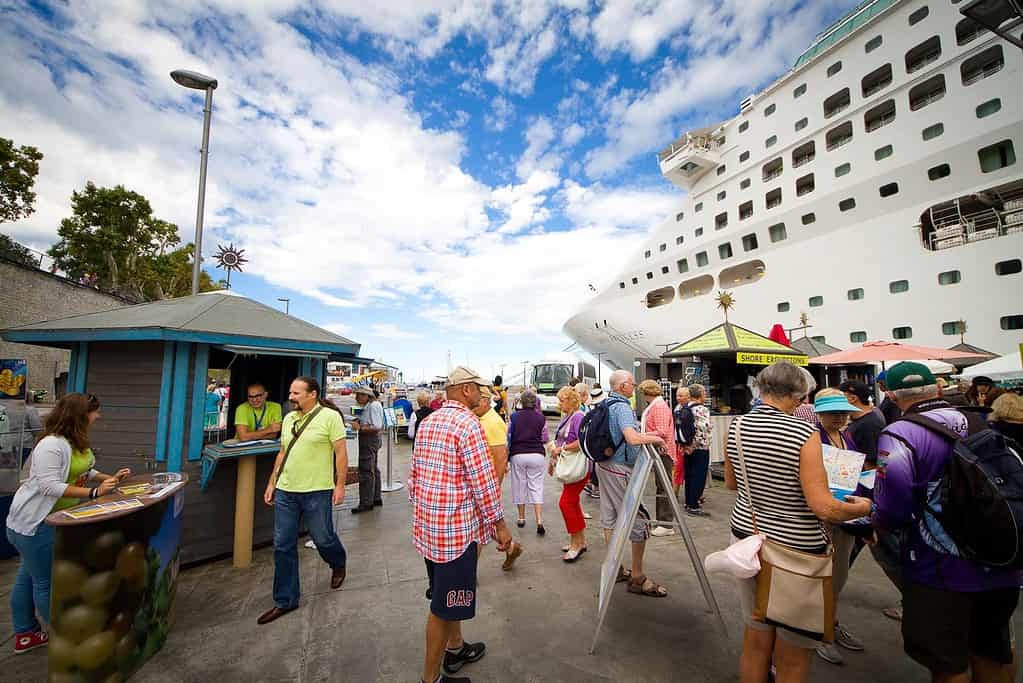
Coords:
11,250
19,167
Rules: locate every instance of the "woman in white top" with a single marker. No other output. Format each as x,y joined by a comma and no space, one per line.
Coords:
61,466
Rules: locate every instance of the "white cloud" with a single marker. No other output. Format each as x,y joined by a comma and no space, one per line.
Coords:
500,115
329,299
392,331
573,134
342,329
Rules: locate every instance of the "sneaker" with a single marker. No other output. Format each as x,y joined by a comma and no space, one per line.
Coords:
847,640
697,512
26,642
829,653
662,531
467,654
310,544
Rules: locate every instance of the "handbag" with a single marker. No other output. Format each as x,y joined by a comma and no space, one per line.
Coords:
794,588
572,465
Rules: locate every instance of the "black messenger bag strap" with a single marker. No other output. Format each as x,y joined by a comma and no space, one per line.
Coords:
294,439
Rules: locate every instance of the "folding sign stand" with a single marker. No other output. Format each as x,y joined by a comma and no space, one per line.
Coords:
646,461
390,425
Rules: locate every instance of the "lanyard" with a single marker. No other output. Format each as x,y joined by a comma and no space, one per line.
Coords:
259,419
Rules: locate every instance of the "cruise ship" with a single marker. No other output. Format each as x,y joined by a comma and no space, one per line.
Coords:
874,187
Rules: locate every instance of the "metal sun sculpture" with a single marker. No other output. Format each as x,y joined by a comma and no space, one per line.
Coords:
229,259
726,302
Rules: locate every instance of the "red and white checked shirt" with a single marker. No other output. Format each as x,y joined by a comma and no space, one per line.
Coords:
451,484
657,419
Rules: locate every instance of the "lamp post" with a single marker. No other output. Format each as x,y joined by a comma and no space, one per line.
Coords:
287,304
598,354
198,81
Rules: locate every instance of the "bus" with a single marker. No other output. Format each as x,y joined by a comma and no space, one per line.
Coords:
549,376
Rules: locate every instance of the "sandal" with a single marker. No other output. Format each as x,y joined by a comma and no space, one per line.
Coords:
573,555
520,523
645,586
565,548
623,575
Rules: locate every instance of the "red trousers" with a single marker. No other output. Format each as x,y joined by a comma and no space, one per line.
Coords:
571,509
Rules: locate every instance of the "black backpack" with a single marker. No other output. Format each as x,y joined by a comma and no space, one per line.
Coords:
978,502
685,425
595,432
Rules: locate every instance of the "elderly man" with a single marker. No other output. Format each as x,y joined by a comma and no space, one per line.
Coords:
614,480
369,424
956,613
257,418
456,508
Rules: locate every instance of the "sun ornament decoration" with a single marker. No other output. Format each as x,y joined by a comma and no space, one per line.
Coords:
726,302
229,258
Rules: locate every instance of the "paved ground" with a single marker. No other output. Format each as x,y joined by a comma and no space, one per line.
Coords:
537,621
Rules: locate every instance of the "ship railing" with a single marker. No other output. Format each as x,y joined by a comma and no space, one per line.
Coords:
838,142
880,122
877,87
924,100
828,113
805,159
983,72
771,175
686,142
923,61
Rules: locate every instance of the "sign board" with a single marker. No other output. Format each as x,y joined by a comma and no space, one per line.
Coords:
745,339
390,419
749,358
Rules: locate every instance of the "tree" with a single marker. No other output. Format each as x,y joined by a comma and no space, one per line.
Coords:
19,167
12,251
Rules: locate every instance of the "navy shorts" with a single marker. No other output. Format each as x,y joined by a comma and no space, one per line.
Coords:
453,586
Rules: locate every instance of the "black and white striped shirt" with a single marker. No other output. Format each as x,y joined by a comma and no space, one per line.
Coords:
771,441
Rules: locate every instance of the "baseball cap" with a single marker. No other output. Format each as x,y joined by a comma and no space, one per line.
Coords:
909,375
857,388
464,375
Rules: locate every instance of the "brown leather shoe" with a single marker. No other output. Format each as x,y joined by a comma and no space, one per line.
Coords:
337,577
272,614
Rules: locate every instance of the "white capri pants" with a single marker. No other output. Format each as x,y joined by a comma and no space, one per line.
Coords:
527,472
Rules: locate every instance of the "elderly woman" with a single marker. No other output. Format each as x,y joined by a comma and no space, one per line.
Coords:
423,410
657,420
789,486
1007,415
583,390
526,453
566,441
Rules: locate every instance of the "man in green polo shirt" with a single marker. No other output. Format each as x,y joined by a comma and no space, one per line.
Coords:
257,418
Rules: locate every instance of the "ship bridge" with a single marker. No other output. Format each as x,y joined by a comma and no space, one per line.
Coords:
688,158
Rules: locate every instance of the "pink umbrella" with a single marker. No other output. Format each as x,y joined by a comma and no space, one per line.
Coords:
886,351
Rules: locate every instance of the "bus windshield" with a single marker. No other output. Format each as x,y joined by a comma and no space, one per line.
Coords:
550,377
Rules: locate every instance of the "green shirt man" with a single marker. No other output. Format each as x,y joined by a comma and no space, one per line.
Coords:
310,465
257,418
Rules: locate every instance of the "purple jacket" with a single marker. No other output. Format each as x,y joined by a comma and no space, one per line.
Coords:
909,458
525,433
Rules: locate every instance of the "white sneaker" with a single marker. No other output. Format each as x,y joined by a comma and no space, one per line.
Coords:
587,515
310,544
662,531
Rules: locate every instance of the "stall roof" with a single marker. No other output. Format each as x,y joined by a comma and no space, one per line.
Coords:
812,348
969,348
727,338
212,317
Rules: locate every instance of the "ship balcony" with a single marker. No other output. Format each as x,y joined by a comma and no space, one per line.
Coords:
687,160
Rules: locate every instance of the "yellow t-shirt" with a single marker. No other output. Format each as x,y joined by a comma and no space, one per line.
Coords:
257,419
495,429
78,475
310,466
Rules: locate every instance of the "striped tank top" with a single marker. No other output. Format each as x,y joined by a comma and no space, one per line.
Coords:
771,441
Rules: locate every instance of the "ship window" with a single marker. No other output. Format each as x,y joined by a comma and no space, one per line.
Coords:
683,265
749,242
679,240
777,232
621,285
873,44
898,286
783,307
744,183
836,103
699,207
839,135
923,54
847,204
888,190
834,69
663,247
855,294
743,126
773,198
858,337
902,332
939,172
949,277
809,218
745,210
803,154
646,254
799,91
721,221
879,116
877,80
842,169
816,301
820,339
635,280
801,123
988,108
1010,267
698,232
744,156
804,185
1012,322
883,152
741,274
721,169
769,109
919,15
772,169
725,250
722,194
649,275
950,328
769,142
660,297
987,63
996,156
679,216
967,30
931,90
701,259
931,132
696,286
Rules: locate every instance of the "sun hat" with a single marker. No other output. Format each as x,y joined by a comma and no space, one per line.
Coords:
464,375
909,375
833,403
365,391
1008,407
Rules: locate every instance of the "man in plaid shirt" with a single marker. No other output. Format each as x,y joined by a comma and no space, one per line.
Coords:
456,508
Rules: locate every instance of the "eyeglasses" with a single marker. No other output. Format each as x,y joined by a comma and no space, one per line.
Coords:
257,395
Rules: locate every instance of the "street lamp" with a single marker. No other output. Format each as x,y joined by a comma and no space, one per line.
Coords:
198,81
287,304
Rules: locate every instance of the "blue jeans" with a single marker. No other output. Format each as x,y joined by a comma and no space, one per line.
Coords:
289,508
695,466
31,591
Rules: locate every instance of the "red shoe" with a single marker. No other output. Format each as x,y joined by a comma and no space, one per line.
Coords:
26,642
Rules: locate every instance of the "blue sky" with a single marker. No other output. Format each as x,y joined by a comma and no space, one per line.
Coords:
422,177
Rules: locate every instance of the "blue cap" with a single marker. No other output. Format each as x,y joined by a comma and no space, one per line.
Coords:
834,404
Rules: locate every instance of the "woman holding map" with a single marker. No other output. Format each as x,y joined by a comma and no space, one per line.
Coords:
62,465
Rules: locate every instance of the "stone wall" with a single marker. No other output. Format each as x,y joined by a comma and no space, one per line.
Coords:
29,295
